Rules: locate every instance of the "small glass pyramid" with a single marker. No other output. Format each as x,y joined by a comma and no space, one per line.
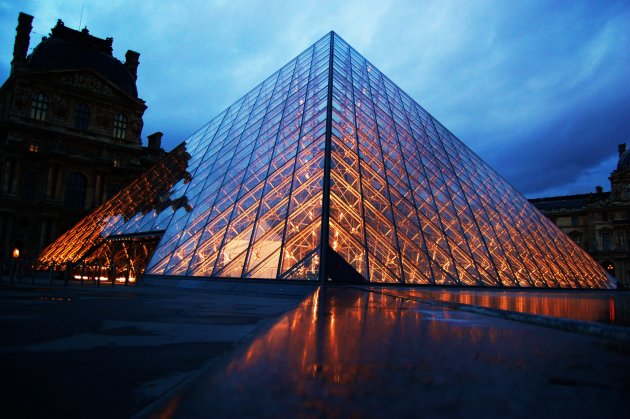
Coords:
327,171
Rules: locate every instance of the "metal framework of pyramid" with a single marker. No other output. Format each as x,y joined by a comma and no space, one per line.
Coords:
327,171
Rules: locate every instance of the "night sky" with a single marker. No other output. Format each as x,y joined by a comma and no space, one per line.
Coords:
539,89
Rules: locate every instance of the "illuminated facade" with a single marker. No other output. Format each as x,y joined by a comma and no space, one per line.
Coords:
326,171
70,134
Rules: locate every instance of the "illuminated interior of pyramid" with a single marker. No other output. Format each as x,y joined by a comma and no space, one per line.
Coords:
325,171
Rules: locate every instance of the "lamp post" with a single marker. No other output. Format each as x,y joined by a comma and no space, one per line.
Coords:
14,261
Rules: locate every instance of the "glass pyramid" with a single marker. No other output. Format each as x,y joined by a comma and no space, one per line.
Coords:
327,171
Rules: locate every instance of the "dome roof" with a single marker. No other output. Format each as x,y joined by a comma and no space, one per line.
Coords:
67,49
624,161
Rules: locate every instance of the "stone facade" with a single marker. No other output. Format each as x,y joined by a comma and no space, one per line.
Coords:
599,222
70,134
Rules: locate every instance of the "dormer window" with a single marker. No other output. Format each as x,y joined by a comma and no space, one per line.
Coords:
120,126
81,116
33,148
39,107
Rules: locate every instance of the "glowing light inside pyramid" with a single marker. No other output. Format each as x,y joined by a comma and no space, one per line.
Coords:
404,201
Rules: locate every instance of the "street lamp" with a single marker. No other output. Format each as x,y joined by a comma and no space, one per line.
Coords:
16,256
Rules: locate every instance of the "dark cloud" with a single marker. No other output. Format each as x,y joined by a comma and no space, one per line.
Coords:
565,147
536,91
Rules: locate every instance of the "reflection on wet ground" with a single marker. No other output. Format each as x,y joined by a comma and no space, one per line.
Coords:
353,352
611,307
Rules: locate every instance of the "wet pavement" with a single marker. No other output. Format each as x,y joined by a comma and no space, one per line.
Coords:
360,353
109,352
270,350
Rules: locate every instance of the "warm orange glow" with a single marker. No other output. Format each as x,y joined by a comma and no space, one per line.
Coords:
326,335
407,203
140,203
16,253
120,280
588,308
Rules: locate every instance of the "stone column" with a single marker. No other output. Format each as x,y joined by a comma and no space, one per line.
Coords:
16,178
58,196
52,231
7,175
49,182
42,236
104,191
8,232
97,190
89,193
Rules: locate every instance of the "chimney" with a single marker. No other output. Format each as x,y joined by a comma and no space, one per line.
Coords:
621,148
22,39
155,141
131,62
599,189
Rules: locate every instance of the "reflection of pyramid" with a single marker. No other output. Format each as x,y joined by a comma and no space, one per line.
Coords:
328,150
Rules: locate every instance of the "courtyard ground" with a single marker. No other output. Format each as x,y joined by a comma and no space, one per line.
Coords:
227,349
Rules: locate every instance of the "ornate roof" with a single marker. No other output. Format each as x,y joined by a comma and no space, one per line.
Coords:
624,161
68,49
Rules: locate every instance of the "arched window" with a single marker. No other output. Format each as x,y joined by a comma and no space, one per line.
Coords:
75,191
120,126
39,106
81,116
29,185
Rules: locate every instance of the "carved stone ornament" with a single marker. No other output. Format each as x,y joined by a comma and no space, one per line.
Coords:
14,138
104,119
60,107
87,81
137,127
22,96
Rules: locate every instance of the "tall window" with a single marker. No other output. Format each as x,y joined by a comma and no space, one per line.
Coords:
75,191
606,240
120,126
39,107
29,185
81,116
